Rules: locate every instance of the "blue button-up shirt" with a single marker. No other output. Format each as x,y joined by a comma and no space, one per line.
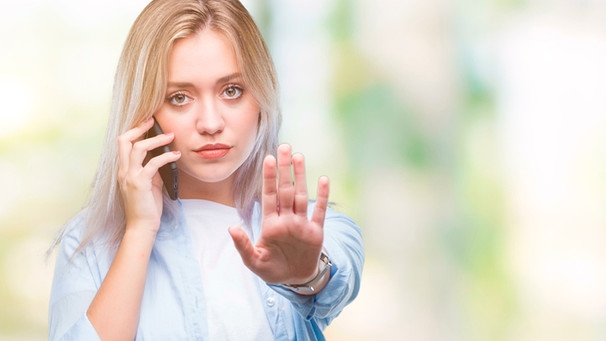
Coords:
172,307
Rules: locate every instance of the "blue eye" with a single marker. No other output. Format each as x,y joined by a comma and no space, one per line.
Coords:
232,92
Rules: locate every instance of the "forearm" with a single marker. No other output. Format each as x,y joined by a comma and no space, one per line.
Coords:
114,312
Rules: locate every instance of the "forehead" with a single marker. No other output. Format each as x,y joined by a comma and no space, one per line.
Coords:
207,53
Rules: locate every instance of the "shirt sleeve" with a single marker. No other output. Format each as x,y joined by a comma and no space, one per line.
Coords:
73,289
343,242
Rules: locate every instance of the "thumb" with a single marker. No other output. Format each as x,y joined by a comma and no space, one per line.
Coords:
242,244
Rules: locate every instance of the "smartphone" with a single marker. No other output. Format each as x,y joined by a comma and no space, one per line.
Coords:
168,172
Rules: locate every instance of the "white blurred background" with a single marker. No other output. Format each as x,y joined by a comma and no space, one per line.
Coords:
467,138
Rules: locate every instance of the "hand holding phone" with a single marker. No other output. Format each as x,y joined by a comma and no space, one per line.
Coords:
168,172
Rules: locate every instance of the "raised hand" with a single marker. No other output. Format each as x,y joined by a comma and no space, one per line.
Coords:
289,247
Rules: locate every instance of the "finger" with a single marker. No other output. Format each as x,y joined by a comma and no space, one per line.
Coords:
124,148
137,132
141,148
320,208
286,189
301,200
269,199
125,144
154,164
243,245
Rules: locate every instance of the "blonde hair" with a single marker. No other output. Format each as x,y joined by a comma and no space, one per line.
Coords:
139,89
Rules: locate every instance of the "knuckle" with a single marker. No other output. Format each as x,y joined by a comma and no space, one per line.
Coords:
121,175
139,146
129,183
123,139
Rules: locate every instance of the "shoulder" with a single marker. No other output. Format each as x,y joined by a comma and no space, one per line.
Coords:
74,237
71,232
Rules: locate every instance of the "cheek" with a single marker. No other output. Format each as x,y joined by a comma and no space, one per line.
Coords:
170,126
172,123
247,119
163,121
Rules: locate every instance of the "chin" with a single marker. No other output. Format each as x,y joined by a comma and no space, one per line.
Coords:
208,177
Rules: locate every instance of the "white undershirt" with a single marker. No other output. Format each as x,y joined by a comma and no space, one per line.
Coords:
235,310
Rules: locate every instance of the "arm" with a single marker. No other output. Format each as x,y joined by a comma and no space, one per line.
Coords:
292,237
114,312
115,307
78,283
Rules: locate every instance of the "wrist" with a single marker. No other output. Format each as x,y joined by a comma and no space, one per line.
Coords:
316,283
143,226
139,234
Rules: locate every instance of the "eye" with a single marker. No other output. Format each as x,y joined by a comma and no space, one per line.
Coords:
232,92
179,99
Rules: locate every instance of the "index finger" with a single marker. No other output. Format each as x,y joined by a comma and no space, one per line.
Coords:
321,206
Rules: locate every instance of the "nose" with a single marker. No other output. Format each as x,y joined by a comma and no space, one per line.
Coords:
209,119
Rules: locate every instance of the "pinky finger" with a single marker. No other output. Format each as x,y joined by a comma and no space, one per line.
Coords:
321,201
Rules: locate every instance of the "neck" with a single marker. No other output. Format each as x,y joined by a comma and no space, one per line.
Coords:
220,192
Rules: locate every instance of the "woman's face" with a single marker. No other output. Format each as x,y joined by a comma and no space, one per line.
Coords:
212,114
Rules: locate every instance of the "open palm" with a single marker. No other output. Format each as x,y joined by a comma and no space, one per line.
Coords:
290,243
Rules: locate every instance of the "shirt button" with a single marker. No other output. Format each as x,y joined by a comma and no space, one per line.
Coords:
270,302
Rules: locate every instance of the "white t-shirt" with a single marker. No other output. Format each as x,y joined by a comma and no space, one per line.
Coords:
235,309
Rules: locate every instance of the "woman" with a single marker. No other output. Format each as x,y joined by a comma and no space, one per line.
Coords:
241,254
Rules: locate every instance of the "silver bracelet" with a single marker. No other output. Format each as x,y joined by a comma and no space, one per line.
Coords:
308,287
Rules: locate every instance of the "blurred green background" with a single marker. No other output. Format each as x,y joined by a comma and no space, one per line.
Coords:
467,138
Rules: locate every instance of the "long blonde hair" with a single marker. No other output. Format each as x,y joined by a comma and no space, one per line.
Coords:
139,89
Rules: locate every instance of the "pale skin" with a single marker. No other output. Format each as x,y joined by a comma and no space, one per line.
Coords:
213,107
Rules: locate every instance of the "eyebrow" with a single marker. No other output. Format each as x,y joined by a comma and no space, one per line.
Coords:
225,79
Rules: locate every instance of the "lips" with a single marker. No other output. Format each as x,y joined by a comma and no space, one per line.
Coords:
213,151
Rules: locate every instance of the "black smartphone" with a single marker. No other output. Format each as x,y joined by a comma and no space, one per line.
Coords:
168,172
